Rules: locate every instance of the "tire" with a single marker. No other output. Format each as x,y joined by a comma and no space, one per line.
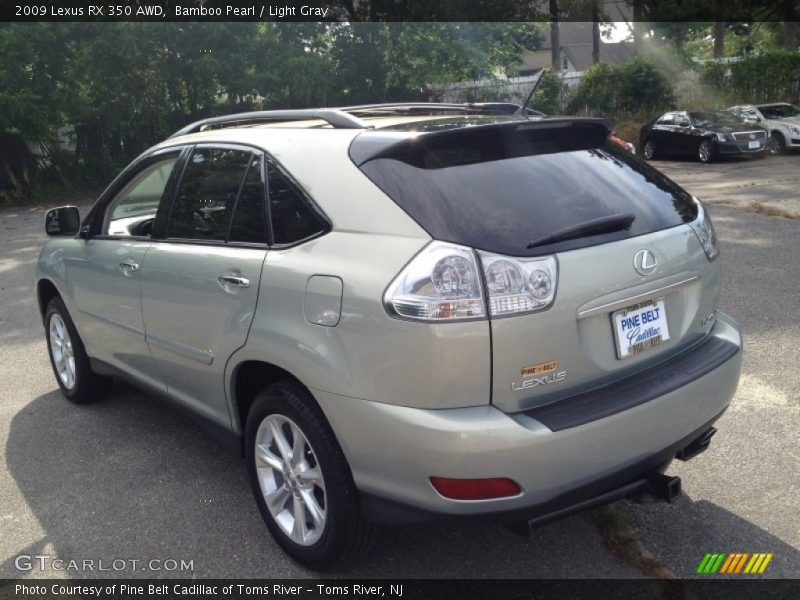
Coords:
320,483
649,150
778,145
706,152
68,357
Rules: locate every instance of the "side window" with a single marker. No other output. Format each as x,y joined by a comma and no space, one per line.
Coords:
132,211
293,219
667,119
682,120
208,190
249,222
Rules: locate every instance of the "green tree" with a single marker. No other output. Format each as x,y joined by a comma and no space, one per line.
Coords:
33,97
124,86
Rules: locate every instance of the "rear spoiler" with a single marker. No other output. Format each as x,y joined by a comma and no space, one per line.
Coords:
576,132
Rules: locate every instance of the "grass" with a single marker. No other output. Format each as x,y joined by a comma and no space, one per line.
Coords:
621,539
629,130
771,211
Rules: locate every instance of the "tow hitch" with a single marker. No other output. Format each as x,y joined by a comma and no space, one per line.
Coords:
665,487
698,446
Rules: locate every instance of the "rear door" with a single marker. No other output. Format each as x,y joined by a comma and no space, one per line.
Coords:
663,134
200,282
687,138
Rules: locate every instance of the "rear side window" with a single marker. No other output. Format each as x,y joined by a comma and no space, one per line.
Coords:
293,217
207,194
500,190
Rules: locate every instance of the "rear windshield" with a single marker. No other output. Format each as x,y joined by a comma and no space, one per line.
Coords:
502,193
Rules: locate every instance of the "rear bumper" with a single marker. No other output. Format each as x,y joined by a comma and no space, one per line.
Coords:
393,450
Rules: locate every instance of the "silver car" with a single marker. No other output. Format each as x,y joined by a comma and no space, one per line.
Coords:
400,313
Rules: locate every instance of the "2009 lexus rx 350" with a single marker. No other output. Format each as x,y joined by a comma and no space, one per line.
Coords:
403,313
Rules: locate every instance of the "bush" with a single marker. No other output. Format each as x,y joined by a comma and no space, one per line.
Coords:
767,77
547,98
597,91
775,75
643,88
637,88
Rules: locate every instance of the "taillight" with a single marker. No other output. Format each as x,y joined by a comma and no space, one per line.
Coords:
441,283
705,231
519,285
476,489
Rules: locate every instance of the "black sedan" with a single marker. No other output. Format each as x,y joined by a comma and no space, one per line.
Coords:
705,134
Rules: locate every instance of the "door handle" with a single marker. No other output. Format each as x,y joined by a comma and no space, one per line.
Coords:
226,280
129,265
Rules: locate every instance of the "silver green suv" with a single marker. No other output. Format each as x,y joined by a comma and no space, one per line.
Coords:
403,312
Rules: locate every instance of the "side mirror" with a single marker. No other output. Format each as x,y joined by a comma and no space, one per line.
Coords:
62,221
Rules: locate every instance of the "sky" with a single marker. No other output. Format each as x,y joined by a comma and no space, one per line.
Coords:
619,31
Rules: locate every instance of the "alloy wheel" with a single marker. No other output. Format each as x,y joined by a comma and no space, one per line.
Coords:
291,480
777,146
704,153
62,352
649,150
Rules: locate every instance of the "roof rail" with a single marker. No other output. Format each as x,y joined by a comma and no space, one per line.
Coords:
334,117
408,107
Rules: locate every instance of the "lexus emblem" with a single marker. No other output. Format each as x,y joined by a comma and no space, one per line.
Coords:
645,262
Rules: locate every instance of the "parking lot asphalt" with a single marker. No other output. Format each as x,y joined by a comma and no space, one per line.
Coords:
131,479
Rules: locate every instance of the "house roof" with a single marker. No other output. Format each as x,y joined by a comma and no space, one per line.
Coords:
575,39
615,54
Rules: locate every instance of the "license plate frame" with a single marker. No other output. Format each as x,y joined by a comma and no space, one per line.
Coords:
651,314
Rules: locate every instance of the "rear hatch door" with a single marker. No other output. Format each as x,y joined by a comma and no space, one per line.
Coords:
633,285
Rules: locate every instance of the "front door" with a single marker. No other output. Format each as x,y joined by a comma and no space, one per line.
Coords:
200,283
106,279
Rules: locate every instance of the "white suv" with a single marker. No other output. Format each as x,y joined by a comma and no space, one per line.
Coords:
782,120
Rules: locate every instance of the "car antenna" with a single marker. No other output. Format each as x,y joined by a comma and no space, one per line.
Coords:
522,110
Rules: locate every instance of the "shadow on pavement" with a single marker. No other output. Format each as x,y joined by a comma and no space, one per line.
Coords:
130,478
686,530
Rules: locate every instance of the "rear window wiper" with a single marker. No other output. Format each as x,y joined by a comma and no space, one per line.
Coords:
587,228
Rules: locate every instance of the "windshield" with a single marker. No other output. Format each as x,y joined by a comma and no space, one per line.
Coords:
780,111
707,118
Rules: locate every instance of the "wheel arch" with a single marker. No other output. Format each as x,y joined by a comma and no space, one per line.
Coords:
250,377
46,290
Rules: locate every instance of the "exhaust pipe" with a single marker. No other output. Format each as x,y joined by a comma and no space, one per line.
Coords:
698,446
664,486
